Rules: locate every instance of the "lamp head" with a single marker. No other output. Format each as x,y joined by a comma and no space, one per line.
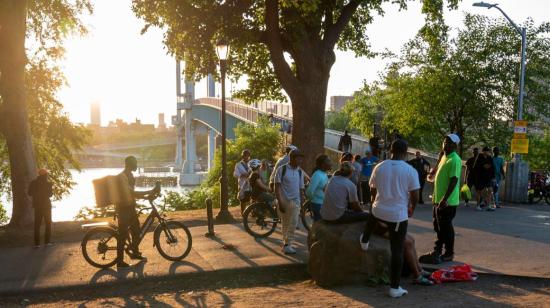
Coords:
222,49
484,4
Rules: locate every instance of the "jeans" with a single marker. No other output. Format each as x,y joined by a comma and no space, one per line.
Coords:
365,191
496,184
316,210
397,232
443,227
42,213
289,220
127,218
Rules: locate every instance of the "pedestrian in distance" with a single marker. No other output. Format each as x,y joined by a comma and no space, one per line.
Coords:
40,190
356,177
242,173
422,166
345,143
289,191
394,186
445,202
470,174
315,191
367,164
484,175
498,166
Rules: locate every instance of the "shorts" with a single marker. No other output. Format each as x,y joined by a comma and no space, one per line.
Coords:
482,184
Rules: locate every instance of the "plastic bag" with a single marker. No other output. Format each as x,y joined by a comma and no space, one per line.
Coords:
465,192
454,274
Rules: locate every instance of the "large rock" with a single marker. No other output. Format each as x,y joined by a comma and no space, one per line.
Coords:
336,257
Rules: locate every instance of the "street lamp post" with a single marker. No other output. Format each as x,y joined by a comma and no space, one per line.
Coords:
517,171
222,49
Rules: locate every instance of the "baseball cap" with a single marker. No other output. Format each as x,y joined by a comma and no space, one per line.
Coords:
454,138
296,153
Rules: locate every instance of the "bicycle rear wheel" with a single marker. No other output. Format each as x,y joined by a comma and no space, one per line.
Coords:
306,215
260,220
173,240
99,247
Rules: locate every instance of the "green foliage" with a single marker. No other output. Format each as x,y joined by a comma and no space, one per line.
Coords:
264,142
181,202
539,147
308,32
3,215
338,120
468,85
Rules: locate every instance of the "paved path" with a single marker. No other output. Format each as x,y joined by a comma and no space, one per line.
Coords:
512,240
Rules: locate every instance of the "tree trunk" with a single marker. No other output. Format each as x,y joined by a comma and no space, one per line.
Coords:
308,131
13,110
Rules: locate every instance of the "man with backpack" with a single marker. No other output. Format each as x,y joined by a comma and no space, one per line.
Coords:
241,173
289,191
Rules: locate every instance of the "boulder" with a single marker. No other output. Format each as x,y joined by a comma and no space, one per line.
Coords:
336,257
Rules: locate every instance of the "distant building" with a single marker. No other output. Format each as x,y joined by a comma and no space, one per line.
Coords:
162,123
338,102
95,114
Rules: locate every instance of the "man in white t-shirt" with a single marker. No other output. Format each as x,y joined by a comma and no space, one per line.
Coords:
394,186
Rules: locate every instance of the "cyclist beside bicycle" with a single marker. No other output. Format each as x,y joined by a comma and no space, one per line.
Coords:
126,212
260,191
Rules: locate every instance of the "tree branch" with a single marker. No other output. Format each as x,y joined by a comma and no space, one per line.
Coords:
333,33
276,50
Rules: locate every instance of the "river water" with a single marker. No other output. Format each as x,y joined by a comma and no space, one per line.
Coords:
82,194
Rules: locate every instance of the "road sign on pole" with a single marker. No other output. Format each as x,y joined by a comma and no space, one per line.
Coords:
520,146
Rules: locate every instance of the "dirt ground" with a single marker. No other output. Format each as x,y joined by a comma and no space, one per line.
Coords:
289,288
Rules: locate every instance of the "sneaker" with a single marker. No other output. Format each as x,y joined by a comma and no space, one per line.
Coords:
423,281
490,209
498,206
447,257
395,293
49,244
288,250
479,208
425,274
364,246
433,257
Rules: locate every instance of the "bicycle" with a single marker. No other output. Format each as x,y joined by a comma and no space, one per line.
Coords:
171,238
539,188
260,219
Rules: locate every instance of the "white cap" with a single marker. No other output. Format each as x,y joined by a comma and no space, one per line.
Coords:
454,138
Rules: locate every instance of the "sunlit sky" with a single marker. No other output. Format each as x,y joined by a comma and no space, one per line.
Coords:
132,76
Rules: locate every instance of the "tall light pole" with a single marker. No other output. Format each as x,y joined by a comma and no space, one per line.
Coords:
523,32
517,171
222,50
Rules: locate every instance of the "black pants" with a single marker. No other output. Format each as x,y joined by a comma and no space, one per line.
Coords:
350,217
397,233
443,227
42,213
127,218
422,183
365,191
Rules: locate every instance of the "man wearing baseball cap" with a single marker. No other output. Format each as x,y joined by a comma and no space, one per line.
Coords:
445,201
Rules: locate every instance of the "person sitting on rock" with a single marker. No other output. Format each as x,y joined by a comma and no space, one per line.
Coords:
341,204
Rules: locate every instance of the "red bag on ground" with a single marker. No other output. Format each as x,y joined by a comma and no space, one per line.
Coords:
454,274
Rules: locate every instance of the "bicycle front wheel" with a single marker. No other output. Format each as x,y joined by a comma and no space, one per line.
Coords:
99,247
173,240
260,220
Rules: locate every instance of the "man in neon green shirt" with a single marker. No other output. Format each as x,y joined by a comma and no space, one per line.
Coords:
446,199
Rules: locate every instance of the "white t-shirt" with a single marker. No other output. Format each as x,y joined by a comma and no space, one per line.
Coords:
393,180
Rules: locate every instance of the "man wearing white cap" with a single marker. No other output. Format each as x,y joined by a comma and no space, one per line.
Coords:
445,200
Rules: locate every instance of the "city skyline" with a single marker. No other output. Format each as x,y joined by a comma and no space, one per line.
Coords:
129,73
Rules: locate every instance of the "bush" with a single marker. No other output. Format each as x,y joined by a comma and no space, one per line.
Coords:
3,215
263,140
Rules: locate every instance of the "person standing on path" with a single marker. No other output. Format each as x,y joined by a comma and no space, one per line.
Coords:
242,173
498,164
40,189
469,174
485,175
367,163
446,200
289,191
357,167
345,142
315,192
394,187
281,161
422,166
